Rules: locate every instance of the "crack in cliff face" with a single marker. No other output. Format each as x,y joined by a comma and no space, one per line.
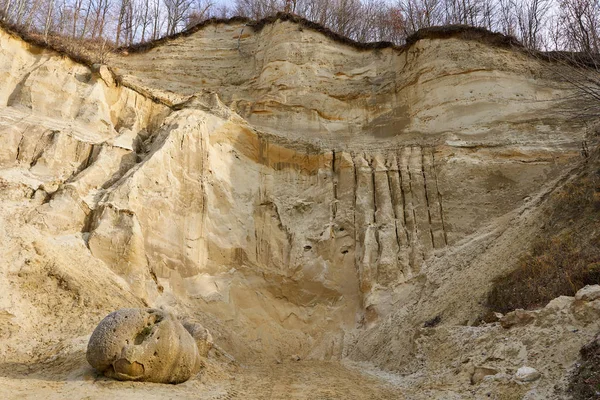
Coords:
394,206
439,195
375,223
334,184
356,231
427,197
18,156
402,200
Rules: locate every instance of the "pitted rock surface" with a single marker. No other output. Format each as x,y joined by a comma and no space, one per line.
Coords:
143,345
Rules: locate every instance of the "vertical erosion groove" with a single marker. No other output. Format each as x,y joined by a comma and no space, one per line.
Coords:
366,244
402,198
394,200
356,234
439,195
334,180
396,196
375,222
203,177
427,204
419,196
409,225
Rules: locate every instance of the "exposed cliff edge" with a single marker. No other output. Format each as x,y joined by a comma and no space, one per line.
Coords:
296,195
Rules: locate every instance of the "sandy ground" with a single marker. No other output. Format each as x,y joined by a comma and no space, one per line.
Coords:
289,380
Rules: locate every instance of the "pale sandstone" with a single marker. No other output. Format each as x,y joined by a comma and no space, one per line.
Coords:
588,293
527,374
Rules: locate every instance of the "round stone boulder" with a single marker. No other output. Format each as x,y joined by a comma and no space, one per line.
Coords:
146,345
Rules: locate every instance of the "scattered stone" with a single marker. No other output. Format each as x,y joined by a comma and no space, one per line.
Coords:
501,377
201,335
143,345
105,74
518,317
296,357
490,317
588,293
558,304
433,322
527,374
480,373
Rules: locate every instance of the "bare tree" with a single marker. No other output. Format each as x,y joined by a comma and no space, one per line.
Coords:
86,19
121,20
581,19
200,11
100,10
531,18
539,24
257,9
177,11
48,18
145,18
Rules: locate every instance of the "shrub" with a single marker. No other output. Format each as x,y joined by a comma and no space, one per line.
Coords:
585,380
563,259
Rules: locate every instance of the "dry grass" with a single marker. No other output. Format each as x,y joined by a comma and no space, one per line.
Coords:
563,259
83,51
465,32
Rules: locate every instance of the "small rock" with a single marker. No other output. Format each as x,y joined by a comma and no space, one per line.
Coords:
527,374
480,373
588,293
105,74
201,335
501,377
518,317
296,357
491,317
559,303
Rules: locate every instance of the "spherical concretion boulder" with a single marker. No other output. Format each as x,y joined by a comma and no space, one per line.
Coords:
143,345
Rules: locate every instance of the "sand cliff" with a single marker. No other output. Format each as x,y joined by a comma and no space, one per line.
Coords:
297,195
